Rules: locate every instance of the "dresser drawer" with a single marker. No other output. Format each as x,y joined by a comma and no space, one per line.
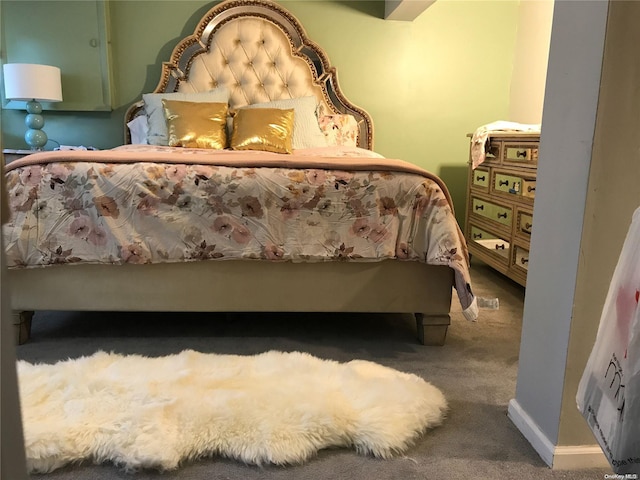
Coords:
492,211
524,223
512,184
490,243
493,151
480,178
529,188
520,257
507,183
520,154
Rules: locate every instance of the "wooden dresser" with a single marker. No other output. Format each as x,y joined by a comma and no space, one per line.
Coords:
500,195
9,154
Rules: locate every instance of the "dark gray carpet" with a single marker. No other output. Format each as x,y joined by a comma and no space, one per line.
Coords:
476,370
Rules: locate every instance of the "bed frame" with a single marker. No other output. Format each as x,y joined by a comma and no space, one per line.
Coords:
260,52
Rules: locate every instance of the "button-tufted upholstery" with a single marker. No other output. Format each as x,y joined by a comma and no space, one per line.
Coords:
254,60
260,52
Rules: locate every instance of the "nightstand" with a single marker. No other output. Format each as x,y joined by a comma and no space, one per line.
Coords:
9,154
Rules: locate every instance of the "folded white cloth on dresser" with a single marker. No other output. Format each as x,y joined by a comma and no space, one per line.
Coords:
480,136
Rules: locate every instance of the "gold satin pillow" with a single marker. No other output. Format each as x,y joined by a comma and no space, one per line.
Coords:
196,124
267,129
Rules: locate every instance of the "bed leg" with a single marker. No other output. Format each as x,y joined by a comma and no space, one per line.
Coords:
22,325
432,329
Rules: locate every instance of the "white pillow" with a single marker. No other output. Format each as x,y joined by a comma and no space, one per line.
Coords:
138,129
306,131
158,134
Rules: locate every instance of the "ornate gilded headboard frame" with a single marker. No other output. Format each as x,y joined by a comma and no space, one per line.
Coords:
194,51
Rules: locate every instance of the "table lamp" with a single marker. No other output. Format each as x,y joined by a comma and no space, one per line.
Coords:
33,84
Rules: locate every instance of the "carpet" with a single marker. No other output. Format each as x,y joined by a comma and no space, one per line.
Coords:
275,407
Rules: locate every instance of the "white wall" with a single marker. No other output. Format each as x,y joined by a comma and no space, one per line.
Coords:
570,105
530,61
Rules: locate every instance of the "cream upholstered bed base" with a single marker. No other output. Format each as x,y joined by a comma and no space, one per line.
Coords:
260,52
223,286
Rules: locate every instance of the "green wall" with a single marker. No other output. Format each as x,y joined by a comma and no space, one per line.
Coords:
426,83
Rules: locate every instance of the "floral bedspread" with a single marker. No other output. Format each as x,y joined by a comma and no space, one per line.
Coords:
145,204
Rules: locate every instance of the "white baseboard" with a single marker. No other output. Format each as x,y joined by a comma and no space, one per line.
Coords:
531,431
557,457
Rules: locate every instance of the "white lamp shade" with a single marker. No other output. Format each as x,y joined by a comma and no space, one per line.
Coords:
28,81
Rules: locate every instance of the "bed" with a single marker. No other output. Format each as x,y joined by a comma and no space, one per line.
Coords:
306,217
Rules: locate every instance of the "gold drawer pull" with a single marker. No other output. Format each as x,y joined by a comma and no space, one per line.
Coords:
527,226
502,215
499,247
524,261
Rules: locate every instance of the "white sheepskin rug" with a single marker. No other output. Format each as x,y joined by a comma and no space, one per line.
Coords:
276,407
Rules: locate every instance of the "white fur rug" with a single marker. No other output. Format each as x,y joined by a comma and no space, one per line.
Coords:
276,407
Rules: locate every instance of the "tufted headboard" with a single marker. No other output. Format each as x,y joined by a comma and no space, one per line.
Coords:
260,52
